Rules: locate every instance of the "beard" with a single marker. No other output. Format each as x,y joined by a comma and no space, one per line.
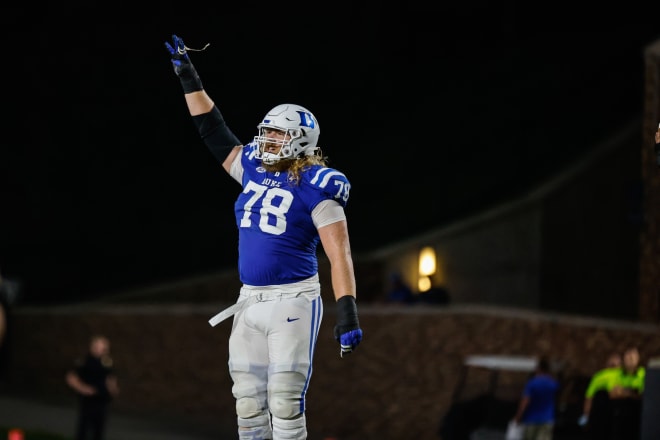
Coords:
279,166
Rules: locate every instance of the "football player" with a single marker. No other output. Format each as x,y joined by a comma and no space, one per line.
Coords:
291,201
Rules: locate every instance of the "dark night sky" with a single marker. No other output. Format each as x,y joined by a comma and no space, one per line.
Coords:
433,112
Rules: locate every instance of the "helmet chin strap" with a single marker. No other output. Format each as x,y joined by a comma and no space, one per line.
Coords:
270,158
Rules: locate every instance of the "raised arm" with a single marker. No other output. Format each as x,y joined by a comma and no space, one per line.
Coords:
215,133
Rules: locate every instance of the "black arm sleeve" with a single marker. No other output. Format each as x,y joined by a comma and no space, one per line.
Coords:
215,133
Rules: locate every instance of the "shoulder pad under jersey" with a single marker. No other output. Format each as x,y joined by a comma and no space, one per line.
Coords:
329,181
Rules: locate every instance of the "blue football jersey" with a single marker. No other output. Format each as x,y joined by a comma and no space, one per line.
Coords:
277,239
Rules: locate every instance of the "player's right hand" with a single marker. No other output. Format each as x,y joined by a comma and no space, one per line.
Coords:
347,331
348,341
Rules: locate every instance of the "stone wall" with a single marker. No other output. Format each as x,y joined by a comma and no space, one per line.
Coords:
397,385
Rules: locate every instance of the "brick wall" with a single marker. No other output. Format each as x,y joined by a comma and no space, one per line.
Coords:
397,385
649,305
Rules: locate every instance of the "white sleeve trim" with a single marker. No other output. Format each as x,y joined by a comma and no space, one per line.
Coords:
236,168
327,212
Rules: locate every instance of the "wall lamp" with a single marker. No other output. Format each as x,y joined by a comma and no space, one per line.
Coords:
427,267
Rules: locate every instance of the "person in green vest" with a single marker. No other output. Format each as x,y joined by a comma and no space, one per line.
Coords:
602,380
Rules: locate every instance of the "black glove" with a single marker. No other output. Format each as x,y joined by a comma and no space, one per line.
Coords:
347,330
183,67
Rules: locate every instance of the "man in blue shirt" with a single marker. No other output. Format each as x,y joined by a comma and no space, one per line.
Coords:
536,411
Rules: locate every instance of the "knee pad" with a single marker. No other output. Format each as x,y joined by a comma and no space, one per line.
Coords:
248,407
285,395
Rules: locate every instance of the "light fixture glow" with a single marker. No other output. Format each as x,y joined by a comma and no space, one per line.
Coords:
427,263
424,284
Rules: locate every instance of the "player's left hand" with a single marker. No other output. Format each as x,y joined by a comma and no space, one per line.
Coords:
183,67
179,54
347,331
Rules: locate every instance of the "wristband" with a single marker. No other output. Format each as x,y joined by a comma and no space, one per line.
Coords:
190,81
347,317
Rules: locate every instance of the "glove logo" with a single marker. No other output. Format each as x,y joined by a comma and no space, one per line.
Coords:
291,319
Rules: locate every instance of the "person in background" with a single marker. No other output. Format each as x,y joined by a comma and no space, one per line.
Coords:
4,328
657,145
93,379
536,410
625,396
4,312
596,411
399,291
9,294
601,380
630,381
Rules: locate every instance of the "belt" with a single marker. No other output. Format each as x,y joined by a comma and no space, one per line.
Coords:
256,294
247,302
233,309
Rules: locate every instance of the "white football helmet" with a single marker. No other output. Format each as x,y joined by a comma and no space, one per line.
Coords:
295,121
